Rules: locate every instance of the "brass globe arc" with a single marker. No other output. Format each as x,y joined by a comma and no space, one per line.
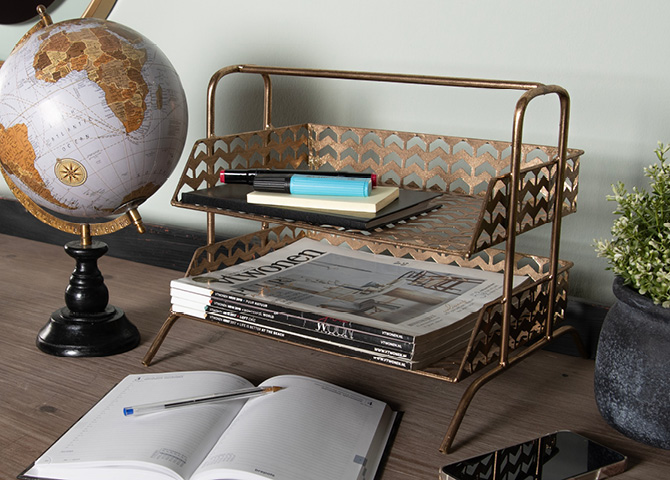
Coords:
84,230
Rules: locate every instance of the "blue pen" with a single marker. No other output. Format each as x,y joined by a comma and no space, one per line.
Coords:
313,185
185,402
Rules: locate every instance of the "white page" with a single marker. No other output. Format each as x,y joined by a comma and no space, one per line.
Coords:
309,430
175,440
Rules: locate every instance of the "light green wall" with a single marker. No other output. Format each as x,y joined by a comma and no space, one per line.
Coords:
609,55
59,10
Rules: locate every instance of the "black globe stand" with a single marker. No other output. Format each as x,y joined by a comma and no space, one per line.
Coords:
87,326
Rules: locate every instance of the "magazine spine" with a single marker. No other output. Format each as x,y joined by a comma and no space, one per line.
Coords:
252,317
323,328
215,294
311,342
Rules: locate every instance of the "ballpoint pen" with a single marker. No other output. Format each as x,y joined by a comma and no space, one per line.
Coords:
184,402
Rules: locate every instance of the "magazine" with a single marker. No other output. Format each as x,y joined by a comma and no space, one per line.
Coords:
322,335
397,298
308,340
280,318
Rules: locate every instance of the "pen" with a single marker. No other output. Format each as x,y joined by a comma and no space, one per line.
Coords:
184,402
248,176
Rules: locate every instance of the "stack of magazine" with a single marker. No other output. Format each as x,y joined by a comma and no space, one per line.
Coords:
396,311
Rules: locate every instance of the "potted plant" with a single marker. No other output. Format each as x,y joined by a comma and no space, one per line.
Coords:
632,372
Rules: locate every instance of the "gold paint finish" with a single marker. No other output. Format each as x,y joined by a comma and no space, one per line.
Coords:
492,191
137,220
85,234
473,214
42,215
99,8
45,17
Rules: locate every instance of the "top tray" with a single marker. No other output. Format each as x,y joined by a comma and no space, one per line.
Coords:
473,175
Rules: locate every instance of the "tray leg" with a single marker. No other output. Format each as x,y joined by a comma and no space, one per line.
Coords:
470,392
158,341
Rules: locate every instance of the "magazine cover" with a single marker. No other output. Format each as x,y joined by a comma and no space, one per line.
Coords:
401,295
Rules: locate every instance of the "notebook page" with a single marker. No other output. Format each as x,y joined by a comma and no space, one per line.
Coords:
310,429
176,439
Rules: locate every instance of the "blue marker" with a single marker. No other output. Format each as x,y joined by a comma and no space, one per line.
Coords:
313,184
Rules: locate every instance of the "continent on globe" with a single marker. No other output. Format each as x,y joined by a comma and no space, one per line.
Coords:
20,160
93,117
114,65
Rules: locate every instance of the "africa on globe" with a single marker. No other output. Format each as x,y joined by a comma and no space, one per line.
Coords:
93,118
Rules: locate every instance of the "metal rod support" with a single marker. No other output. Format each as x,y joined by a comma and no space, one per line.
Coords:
160,337
482,380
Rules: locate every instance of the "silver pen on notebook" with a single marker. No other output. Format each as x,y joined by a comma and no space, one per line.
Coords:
185,402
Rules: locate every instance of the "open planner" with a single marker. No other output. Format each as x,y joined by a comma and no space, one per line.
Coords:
309,429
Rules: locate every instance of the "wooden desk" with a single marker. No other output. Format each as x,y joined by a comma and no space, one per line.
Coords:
41,396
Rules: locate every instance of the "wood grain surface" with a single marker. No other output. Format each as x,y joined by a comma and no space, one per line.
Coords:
41,395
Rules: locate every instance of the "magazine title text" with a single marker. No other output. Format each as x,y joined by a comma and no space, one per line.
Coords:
259,272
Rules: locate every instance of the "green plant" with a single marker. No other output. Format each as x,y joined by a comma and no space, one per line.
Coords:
640,249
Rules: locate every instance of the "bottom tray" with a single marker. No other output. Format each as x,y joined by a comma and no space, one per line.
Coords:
529,303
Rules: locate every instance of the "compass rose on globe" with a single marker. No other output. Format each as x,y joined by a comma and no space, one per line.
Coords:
93,120
70,172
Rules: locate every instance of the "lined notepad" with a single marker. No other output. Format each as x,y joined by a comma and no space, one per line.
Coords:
378,199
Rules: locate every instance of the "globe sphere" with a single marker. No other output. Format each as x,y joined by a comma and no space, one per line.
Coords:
93,118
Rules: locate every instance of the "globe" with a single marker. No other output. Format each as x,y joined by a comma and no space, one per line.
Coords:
93,118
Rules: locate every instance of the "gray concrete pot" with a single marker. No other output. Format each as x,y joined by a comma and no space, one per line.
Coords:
632,372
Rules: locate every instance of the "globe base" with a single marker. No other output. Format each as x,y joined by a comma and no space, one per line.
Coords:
87,326
94,335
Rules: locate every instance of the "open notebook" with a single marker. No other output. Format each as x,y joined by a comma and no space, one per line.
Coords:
310,429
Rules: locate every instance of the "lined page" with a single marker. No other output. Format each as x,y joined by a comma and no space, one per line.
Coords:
176,440
310,429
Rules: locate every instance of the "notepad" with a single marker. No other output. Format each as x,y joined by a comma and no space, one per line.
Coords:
378,199
310,429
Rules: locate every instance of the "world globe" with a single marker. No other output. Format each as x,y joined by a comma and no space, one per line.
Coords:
93,118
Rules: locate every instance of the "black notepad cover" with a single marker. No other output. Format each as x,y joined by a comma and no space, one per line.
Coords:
234,197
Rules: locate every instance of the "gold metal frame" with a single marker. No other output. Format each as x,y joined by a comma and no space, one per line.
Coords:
84,230
472,218
521,321
99,8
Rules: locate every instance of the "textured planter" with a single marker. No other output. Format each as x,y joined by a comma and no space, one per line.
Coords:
632,374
